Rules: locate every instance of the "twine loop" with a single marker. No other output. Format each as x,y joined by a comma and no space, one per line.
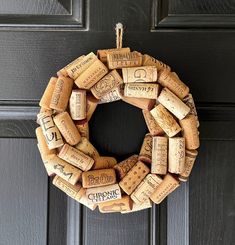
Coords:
119,35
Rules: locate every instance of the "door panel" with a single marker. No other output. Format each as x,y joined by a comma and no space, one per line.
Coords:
33,7
23,188
116,228
41,14
212,195
196,38
28,59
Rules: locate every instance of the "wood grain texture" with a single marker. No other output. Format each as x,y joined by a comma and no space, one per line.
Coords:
217,130
194,14
17,128
134,15
121,131
42,14
30,53
33,7
212,195
158,224
23,188
201,7
178,216
115,229
217,121
74,222
57,216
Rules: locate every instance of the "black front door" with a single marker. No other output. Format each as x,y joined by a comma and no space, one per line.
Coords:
196,38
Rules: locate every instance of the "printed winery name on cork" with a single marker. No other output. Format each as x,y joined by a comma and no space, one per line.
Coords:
76,157
50,131
146,149
150,61
119,59
102,53
146,188
95,178
103,193
141,74
141,90
91,75
109,82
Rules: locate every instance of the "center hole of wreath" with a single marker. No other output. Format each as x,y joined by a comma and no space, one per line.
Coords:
117,129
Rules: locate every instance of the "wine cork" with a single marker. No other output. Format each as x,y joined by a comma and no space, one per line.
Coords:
159,155
141,74
61,93
190,103
113,95
165,120
146,188
102,53
63,71
109,82
176,155
84,200
43,110
190,132
76,157
74,191
150,61
190,157
43,149
86,147
83,128
77,68
133,178
127,59
103,193
104,162
175,105
141,90
50,131
96,178
63,169
144,104
175,74
124,166
91,75
49,173
152,125
67,128
146,149
42,144
46,97
139,206
168,185
173,83
77,104
91,105
120,205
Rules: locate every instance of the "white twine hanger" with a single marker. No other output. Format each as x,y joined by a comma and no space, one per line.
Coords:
119,35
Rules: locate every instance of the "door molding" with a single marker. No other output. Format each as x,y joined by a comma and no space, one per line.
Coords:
74,19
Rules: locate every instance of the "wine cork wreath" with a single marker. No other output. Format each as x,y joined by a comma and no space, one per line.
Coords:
169,149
